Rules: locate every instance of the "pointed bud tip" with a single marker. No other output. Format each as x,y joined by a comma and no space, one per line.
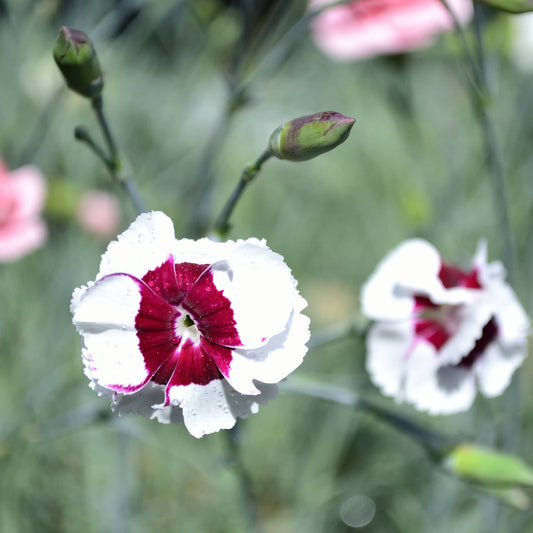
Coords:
76,58
310,136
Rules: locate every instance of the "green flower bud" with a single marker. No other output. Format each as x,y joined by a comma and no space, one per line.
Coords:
488,467
306,137
76,58
510,6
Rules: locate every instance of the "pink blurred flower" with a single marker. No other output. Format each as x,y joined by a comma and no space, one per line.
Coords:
366,28
98,212
22,194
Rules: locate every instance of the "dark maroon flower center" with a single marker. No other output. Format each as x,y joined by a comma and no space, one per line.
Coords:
436,323
185,325
451,276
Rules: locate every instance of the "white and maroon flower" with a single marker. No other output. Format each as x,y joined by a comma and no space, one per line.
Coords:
366,28
204,326
441,333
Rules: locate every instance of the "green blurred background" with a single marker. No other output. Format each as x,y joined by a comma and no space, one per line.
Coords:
193,91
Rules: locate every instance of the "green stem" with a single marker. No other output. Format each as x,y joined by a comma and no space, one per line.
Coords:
337,333
98,107
249,172
249,503
202,188
288,41
434,443
473,75
494,150
513,402
112,161
82,134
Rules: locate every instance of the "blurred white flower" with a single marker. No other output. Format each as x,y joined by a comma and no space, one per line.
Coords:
192,331
441,333
522,43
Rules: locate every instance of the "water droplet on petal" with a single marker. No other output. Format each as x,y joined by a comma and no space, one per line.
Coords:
226,409
219,404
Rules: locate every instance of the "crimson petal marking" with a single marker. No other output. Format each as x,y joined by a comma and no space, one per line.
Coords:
452,276
155,322
163,375
162,280
212,310
194,366
488,335
220,354
187,274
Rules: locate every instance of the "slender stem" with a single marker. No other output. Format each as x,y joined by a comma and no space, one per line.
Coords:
82,134
249,172
337,333
474,74
482,95
434,443
112,161
494,150
290,39
98,107
202,189
249,502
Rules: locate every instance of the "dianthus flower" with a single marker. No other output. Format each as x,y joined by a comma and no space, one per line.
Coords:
192,331
366,28
442,333
22,193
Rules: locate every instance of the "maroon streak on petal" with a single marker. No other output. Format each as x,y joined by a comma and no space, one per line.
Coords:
429,329
220,354
162,280
167,292
187,275
212,311
451,276
124,389
164,373
155,322
194,367
488,335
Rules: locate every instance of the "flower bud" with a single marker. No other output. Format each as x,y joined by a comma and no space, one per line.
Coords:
488,467
76,58
510,6
306,137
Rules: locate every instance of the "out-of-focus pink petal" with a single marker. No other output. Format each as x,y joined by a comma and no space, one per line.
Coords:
366,28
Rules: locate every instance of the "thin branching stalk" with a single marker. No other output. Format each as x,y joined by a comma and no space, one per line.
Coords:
112,160
249,172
